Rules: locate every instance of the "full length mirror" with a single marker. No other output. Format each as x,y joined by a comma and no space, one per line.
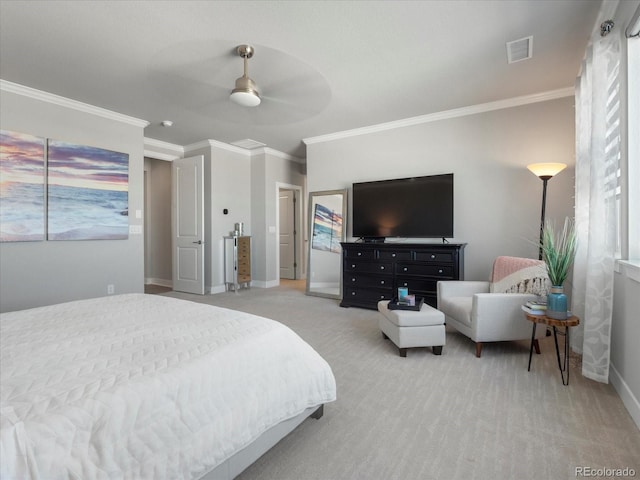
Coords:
327,225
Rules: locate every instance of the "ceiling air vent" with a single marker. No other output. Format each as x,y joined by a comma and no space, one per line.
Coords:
521,49
248,144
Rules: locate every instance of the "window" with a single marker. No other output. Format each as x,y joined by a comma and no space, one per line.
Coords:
613,190
632,220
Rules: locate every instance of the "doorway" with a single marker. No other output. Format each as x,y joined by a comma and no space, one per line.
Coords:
157,225
289,232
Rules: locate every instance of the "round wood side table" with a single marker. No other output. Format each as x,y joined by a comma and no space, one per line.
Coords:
571,321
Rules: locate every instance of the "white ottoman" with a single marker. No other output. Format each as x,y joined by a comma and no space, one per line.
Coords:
410,328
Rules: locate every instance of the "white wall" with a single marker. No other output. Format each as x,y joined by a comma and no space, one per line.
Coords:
269,169
259,219
625,332
42,273
496,199
280,170
227,184
230,189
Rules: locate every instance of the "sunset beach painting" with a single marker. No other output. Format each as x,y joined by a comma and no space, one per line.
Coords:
22,206
88,193
327,229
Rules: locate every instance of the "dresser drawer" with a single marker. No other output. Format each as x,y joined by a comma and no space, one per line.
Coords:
369,297
358,253
368,267
438,257
394,255
368,281
417,284
441,271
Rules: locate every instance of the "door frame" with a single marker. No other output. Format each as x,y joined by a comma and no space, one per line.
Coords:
148,203
300,272
168,152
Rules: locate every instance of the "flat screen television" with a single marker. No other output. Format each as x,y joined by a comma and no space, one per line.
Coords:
417,207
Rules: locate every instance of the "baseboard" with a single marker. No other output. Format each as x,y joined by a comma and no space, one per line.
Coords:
218,289
324,285
159,281
628,398
261,284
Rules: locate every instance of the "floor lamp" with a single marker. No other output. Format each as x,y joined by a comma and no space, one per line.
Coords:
545,171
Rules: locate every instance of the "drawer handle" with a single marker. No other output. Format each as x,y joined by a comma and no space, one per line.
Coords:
440,271
353,294
359,253
405,284
405,269
393,254
353,279
382,297
381,282
353,266
381,267
433,256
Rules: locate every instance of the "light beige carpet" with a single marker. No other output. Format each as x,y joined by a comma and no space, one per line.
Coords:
436,417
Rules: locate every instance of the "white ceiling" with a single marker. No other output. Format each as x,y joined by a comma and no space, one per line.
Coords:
322,66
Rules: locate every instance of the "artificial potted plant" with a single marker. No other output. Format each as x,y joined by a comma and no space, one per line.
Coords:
558,253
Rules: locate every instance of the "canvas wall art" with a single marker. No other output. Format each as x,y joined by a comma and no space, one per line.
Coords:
327,229
88,193
22,187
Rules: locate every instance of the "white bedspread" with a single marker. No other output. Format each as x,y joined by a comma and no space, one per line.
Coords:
145,387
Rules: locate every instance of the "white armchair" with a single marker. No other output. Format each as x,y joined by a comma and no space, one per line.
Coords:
476,310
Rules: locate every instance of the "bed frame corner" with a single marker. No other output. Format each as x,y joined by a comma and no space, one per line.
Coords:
318,413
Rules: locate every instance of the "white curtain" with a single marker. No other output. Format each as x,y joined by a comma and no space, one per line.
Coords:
597,197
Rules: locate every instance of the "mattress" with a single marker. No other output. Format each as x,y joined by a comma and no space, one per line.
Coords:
144,386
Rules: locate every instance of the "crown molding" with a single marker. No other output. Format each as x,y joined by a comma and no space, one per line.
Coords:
447,114
275,153
251,152
217,144
160,156
158,149
153,143
69,103
284,156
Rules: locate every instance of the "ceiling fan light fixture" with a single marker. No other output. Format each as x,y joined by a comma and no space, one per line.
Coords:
246,92
246,99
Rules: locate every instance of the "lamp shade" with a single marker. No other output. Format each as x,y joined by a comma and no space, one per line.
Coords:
546,170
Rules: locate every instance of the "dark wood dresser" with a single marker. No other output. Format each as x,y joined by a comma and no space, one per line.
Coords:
373,271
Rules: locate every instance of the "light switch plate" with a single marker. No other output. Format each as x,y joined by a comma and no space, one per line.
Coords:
135,229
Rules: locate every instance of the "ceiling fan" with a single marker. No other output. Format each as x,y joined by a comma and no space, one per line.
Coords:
246,92
195,77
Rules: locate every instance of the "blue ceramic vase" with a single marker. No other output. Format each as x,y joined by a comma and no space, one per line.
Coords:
557,303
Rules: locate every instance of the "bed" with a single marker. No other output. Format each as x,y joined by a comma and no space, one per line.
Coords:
145,386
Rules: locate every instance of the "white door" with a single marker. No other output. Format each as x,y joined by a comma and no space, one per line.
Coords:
287,234
187,224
